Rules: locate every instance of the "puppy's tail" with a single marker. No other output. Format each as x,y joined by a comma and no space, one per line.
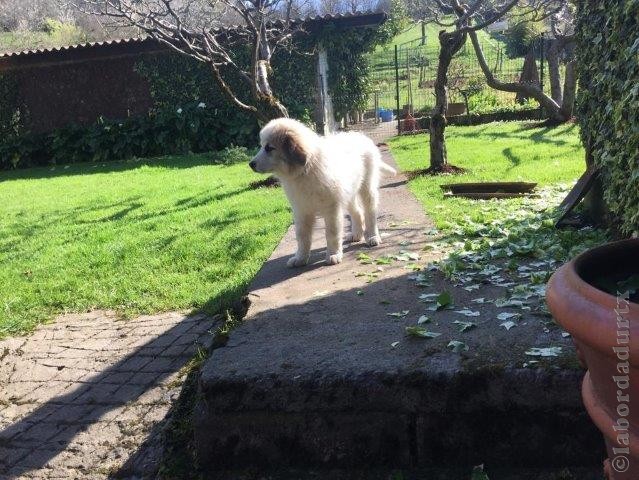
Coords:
386,169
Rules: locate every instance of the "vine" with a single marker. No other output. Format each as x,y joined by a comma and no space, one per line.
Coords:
608,62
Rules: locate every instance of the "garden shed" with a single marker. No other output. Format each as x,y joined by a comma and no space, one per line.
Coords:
80,84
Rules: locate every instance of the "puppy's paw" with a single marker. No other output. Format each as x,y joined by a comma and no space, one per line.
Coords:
353,238
334,259
374,241
296,261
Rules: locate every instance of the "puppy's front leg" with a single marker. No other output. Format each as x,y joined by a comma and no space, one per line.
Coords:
304,234
334,230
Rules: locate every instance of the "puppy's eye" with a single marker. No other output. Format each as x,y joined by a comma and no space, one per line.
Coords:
268,148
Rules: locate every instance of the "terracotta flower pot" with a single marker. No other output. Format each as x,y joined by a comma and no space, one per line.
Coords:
605,329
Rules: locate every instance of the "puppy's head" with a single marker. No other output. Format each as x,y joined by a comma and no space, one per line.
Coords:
284,147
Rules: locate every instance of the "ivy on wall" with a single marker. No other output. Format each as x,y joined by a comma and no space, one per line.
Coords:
11,112
608,103
349,81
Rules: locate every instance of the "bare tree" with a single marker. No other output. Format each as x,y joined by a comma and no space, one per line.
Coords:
558,109
200,29
562,44
467,20
331,7
28,14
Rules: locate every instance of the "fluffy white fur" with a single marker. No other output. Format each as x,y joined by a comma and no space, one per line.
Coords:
324,176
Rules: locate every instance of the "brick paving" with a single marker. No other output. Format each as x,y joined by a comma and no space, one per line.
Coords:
87,395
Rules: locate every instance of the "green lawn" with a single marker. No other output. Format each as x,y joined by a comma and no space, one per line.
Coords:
136,236
508,151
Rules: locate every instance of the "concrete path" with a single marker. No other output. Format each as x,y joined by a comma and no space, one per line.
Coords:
322,372
85,397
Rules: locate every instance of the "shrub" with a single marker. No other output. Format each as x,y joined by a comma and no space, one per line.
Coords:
608,60
191,128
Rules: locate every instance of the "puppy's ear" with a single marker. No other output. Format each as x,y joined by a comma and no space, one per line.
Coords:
294,148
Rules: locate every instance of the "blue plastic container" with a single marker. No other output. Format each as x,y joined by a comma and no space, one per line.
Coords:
386,115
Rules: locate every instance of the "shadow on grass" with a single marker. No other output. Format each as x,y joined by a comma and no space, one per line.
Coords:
512,158
537,133
91,168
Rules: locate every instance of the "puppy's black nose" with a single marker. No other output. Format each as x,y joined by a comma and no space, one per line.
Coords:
253,164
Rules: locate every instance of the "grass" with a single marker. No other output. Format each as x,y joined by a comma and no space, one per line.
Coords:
61,34
504,151
135,236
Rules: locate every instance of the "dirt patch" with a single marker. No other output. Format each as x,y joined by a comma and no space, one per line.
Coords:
270,182
446,170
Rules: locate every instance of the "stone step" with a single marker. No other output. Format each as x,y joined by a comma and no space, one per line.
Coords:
314,376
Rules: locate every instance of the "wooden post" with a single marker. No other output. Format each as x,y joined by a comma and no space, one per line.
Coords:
399,124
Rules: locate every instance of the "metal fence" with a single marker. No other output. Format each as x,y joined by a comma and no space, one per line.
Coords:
403,78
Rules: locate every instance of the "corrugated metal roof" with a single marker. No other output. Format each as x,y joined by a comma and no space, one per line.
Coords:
79,46
139,40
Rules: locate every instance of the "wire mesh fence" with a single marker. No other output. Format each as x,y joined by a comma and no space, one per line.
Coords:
403,77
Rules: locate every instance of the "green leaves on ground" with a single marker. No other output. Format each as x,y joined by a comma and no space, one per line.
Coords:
401,314
544,352
444,300
421,332
457,346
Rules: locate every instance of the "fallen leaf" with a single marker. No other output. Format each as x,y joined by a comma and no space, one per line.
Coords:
428,296
457,346
465,326
401,314
444,300
423,319
468,313
503,303
363,258
508,315
544,352
508,325
421,332
479,473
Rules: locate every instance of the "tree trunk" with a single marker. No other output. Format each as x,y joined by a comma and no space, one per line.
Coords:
553,71
529,75
550,106
450,44
269,108
268,105
570,90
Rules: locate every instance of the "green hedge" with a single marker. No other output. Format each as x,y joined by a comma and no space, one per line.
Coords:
191,128
608,104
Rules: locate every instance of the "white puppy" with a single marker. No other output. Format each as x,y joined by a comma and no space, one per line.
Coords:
324,176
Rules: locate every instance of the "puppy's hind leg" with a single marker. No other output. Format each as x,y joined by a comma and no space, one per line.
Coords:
304,234
370,199
357,222
334,229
